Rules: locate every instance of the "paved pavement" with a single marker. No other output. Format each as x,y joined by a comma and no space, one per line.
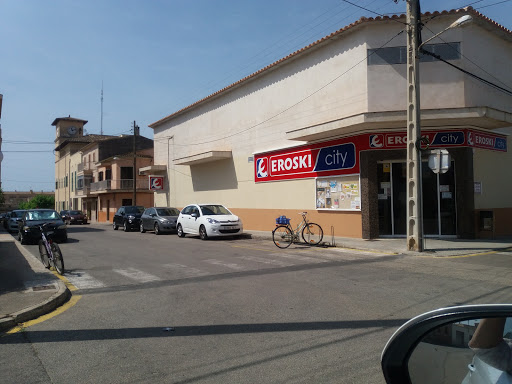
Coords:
28,290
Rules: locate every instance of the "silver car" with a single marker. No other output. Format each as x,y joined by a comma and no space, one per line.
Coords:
14,216
159,220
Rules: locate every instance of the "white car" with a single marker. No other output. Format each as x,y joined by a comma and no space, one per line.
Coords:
208,220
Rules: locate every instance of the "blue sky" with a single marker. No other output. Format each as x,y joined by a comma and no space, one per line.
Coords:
154,57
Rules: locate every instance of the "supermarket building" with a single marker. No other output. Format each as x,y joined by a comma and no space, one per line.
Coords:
323,130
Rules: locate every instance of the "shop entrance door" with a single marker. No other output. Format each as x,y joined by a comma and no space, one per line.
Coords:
439,208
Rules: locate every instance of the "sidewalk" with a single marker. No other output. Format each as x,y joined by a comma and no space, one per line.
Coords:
27,289
432,247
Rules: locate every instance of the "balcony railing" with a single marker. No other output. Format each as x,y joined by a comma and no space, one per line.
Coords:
118,185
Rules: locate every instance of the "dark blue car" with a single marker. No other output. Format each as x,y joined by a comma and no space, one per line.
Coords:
28,226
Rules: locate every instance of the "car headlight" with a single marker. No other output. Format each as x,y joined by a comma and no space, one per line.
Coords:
62,226
131,217
26,228
212,221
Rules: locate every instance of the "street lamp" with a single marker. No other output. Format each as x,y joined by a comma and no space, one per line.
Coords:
414,174
460,22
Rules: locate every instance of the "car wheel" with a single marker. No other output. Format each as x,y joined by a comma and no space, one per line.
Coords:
157,229
142,230
64,239
125,227
180,231
23,239
202,233
115,226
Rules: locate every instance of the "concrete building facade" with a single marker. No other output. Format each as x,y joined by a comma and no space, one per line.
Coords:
323,130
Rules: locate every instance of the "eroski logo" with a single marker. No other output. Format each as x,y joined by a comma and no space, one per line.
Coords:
262,167
376,141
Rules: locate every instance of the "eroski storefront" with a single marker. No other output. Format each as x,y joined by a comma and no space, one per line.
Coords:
365,175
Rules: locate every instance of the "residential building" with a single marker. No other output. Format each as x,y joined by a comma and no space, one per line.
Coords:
94,173
323,130
1,154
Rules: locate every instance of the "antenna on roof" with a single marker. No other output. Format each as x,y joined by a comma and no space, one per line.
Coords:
101,124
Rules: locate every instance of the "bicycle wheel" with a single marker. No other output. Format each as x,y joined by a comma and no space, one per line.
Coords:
58,261
312,234
282,236
43,254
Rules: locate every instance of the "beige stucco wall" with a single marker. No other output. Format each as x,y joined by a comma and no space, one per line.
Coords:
255,118
494,170
331,82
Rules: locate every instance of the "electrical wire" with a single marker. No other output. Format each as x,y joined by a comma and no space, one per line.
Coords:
506,91
490,5
300,101
375,13
468,59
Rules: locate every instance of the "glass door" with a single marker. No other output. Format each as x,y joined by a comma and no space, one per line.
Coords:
439,206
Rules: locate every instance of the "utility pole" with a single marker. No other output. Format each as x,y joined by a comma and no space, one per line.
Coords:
414,175
135,134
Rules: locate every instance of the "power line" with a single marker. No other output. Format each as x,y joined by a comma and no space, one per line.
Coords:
490,5
506,91
375,13
303,99
468,59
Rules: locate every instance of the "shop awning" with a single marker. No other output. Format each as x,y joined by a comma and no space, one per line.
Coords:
205,157
474,117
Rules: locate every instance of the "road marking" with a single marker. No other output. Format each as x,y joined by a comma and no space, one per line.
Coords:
186,270
58,311
224,264
265,261
137,275
83,280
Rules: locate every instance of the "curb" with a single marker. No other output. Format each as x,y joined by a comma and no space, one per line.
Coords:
62,295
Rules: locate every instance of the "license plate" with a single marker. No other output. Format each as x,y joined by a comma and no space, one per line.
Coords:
230,227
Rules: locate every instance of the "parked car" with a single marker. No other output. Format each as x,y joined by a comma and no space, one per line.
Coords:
14,216
128,217
3,217
159,219
28,225
208,220
6,220
73,217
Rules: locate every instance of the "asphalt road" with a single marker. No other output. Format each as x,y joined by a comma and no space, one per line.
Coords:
170,310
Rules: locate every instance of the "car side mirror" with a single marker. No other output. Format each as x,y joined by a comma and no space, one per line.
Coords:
153,215
461,344
194,215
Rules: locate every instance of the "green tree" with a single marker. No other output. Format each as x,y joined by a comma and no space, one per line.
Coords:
39,201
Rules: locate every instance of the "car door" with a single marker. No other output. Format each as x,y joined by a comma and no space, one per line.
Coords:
185,218
150,219
194,220
118,217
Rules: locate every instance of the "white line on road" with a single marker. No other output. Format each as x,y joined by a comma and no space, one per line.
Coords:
224,264
135,274
82,280
186,270
265,261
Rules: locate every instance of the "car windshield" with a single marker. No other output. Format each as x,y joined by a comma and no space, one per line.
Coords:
75,213
134,209
42,215
167,212
214,210
15,214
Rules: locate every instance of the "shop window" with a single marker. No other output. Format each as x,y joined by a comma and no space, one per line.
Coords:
338,192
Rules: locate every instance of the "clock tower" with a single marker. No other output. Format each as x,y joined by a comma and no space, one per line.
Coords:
68,128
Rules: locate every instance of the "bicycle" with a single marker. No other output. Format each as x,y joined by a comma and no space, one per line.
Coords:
284,235
49,251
